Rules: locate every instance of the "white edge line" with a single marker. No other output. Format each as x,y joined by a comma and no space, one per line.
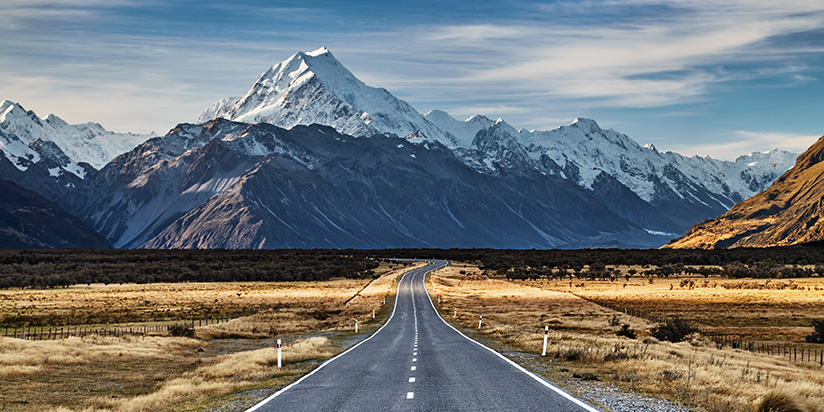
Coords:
328,361
510,361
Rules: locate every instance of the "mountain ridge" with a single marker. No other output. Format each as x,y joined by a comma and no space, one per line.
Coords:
788,212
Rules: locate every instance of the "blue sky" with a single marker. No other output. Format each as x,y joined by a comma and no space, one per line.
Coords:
690,76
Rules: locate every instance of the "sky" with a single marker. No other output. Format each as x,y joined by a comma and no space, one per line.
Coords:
692,76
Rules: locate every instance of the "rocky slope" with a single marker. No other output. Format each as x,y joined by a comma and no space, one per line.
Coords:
225,184
28,220
789,212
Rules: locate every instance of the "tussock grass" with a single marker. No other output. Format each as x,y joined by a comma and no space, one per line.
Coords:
160,373
583,341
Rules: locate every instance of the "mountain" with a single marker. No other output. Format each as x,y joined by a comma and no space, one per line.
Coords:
315,88
51,156
789,212
664,193
28,220
227,184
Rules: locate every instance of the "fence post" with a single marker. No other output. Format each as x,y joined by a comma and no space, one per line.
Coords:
546,335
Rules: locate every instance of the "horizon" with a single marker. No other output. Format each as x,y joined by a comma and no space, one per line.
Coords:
688,77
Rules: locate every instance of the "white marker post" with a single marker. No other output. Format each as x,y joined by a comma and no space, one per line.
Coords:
373,313
456,313
279,353
480,319
439,299
356,326
546,334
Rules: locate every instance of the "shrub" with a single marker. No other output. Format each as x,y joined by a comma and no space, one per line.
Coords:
586,376
573,354
775,401
675,330
818,332
626,331
182,329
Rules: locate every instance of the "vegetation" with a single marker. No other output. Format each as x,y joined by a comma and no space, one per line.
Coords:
818,332
777,262
583,342
160,372
674,330
64,267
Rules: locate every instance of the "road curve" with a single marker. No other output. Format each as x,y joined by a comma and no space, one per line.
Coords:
417,362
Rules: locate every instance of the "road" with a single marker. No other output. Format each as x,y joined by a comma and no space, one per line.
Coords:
417,362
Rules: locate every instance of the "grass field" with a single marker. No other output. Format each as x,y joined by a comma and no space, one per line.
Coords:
159,373
584,345
765,310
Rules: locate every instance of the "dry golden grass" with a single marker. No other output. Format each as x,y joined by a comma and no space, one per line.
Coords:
770,311
157,373
99,304
696,373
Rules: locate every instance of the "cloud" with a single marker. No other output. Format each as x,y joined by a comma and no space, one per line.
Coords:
739,142
532,66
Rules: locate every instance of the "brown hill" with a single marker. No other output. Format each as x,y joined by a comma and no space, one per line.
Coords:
788,212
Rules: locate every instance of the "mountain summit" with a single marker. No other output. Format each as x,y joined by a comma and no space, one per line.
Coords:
315,88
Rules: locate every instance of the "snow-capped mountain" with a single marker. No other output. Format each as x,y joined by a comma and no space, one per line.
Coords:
664,192
624,174
27,137
315,88
224,184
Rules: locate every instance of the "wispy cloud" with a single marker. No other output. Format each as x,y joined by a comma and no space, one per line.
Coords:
535,66
738,142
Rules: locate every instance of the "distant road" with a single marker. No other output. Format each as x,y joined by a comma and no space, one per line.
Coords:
417,362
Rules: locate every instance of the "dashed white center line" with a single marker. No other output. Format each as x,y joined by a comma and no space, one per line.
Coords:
410,395
414,353
414,359
412,379
413,368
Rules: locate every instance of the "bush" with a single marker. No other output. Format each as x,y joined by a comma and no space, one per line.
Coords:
674,330
818,332
573,354
182,329
626,331
586,376
778,402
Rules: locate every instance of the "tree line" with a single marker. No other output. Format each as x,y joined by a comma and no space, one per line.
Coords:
52,268
777,262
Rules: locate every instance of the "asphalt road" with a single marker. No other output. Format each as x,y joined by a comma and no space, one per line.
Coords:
417,362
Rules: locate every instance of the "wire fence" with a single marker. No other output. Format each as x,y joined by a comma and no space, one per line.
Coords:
792,353
63,332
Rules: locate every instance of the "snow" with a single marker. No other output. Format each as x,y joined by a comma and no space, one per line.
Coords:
657,233
314,87
88,142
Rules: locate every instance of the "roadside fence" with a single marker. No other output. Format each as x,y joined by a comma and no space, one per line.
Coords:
790,352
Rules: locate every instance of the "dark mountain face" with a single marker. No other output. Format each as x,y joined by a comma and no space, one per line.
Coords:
28,220
234,185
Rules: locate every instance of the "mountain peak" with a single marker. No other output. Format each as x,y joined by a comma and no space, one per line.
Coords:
586,124
319,51
314,87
